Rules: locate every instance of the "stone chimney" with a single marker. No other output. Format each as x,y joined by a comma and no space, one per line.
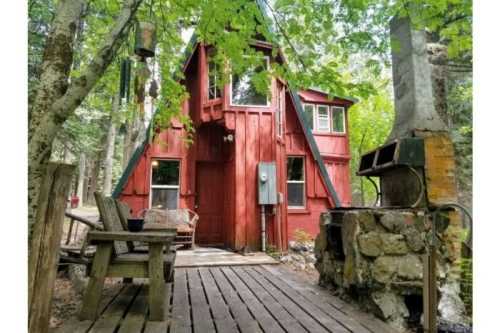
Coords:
412,82
416,116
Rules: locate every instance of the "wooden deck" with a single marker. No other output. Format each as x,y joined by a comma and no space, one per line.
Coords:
263,298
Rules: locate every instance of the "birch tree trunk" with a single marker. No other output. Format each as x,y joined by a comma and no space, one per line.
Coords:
56,99
81,178
110,148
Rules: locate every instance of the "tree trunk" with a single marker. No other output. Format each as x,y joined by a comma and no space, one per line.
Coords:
110,148
81,179
46,239
94,178
133,138
56,100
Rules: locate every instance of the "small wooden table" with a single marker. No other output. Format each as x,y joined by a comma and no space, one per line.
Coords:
155,265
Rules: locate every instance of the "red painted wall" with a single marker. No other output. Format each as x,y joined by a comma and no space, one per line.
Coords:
255,141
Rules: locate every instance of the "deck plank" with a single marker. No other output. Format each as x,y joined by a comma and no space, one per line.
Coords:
202,320
278,311
136,316
368,321
222,317
319,301
266,321
111,317
181,319
310,308
294,309
246,323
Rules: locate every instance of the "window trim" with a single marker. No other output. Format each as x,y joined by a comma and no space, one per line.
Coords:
304,196
280,109
343,118
151,186
268,101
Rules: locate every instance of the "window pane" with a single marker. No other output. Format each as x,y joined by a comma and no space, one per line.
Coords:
165,173
295,168
164,198
323,120
296,194
213,90
338,119
309,113
243,90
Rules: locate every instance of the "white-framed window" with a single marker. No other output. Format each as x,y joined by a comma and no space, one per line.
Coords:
213,90
338,119
296,182
243,92
322,118
280,110
165,187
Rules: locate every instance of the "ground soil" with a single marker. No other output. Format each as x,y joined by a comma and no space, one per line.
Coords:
66,302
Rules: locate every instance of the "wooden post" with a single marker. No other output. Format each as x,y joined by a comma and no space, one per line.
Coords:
44,247
156,282
430,291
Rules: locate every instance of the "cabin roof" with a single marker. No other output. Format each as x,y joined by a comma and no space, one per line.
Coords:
188,54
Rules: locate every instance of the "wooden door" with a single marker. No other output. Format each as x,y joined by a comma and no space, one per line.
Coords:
209,203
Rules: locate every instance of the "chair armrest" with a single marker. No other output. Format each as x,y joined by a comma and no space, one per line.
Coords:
194,219
145,236
81,219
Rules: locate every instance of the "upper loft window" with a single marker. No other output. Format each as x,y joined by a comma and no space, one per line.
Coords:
213,89
325,119
243,91
164,184
338,119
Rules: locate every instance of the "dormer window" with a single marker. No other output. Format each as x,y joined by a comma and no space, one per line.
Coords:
243,91
325,119
213,90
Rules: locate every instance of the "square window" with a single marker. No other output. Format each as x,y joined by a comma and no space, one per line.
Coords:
338,119
164,198
165,172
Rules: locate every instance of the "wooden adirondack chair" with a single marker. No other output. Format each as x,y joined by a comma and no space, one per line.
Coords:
114,258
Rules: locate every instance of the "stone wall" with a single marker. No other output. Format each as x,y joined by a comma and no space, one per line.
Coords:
375,256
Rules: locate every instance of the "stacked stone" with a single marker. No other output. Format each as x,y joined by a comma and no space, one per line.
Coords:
382,260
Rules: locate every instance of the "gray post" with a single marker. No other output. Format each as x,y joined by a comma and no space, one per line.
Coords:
411,73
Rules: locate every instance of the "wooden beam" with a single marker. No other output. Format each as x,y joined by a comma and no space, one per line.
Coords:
45,243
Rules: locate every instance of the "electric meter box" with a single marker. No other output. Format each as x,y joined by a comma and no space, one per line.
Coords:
266,183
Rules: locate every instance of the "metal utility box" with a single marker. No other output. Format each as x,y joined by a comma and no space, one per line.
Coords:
266,183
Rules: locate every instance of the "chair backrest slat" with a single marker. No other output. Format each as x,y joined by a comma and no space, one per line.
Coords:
123,210
110,219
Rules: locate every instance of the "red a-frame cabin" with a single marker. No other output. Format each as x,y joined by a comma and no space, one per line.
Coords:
304,133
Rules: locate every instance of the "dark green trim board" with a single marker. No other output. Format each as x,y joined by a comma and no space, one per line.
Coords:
314,147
